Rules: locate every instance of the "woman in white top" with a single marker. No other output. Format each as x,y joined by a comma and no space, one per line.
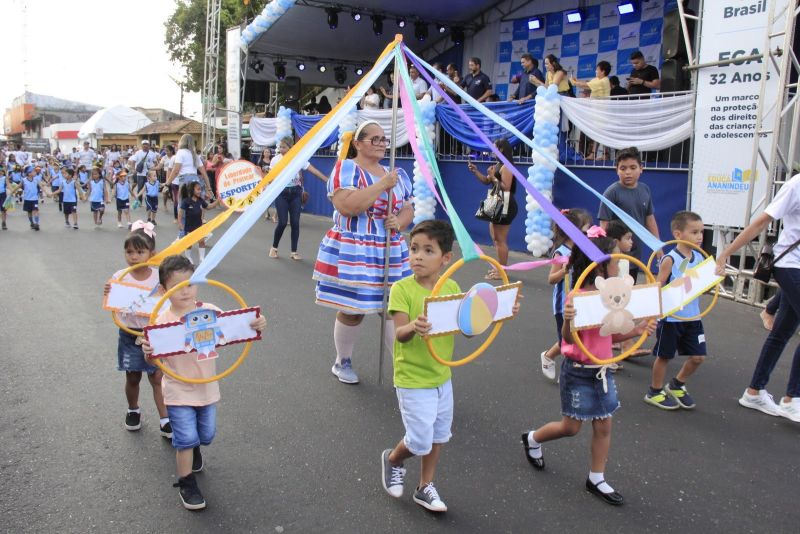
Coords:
785,207
166,164
371,100
187,164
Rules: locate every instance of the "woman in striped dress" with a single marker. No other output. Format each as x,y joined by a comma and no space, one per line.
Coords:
350,264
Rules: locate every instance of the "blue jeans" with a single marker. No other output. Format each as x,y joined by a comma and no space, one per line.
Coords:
786,323
192,425
288,204
774,303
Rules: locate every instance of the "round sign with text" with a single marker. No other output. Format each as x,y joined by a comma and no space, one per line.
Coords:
235,181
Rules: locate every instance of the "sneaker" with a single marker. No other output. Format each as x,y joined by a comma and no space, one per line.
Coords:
197,460
681,396
74,226
5,227
67,225
428,497
133,421
119,225
344,372
790,410
661,400
36,227
548,367
166,431
392,476
762,402
190,494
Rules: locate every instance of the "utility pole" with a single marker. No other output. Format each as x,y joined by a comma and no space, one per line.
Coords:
182,85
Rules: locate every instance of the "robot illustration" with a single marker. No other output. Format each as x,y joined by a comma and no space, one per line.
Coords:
202,334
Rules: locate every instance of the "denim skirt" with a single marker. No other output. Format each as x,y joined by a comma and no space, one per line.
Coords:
587,392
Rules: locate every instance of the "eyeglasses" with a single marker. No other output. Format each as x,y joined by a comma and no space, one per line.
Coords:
377,141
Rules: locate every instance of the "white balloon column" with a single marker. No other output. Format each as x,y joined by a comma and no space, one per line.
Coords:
283,124
348,124
538,227
270,14
424,200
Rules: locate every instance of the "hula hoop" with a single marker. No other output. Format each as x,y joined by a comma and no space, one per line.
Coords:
125,272
716,287
495,330
579,282
219,376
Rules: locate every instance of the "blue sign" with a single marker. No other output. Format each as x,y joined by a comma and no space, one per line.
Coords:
555,23
501,90
591,18
609,39
536,48
650,32
624,61
570,44
504,52
587,66
520,30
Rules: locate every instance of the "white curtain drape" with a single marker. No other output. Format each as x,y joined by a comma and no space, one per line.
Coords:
650,124
262,131
384,118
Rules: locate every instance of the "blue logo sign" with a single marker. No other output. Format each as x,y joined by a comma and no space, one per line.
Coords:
591,18
555,23
536,48
520,30
650,32
624,61
504,52
570,44
501,90
586,66
609,39
554,48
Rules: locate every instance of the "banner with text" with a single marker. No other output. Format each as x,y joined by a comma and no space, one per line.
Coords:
726,109
232,91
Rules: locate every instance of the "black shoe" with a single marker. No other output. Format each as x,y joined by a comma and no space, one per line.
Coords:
32,226
5,227
36,227
611,498
166,431
197,460
190,494
538,463
133,421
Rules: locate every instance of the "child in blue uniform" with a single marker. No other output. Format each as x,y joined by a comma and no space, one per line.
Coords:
98,196
4,188
122,192
190,214
56,178
151,189
71,191
30,197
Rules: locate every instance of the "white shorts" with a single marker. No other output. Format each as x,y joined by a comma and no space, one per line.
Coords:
427,416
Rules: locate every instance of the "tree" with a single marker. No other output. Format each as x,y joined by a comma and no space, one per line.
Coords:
185,36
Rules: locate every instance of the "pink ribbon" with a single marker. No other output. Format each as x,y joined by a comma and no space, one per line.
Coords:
595,232
147,227
528,265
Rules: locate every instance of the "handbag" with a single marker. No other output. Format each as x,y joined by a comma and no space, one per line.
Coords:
495,206
765,265
304,198
140,166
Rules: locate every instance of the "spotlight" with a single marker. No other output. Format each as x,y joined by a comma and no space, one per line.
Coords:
625,8
359,71
457,34
420,30
340,74
280,69
321,67
401,22
257,65
377,24
356,15
534,23
441,28
333,17
574,16
301,66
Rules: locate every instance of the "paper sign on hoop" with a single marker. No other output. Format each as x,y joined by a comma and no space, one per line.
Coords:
170,339
693,283
235,181
645,303
443,311
129,298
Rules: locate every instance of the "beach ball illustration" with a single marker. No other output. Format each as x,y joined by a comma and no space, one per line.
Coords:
477,309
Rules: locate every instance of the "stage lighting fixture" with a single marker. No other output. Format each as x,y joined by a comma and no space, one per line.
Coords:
280,69
301,66
356,15
625,8
340,74
534,23
574,16
441,28
359,71
321,67
333,17
377,24
401,22
257,65
420,30
457,34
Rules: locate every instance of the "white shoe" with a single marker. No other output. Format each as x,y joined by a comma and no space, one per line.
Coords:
790,410
763,402
548,367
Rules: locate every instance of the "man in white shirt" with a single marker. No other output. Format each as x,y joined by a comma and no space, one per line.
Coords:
420,87
74,157
150,159
87,156
21,156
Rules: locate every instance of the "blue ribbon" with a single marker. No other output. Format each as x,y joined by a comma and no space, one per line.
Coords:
520,115
303,123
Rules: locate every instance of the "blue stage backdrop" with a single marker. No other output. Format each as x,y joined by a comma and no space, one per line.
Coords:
668,188
603,34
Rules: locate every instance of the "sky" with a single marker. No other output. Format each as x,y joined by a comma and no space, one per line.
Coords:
102,52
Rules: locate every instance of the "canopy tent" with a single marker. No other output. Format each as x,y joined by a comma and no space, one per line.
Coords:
114,120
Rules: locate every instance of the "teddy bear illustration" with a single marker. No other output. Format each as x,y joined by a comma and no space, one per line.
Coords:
615,294
203,333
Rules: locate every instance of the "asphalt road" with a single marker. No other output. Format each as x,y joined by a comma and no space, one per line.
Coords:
296,451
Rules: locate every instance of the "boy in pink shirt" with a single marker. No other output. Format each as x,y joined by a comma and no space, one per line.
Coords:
192,408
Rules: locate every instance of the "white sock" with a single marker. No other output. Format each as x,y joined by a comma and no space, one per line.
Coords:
388,337
163,421
344,338
596,478
201,251
536,448
134,410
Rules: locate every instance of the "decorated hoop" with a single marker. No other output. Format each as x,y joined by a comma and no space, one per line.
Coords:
716,287
579,282
123,274
498,325
219,376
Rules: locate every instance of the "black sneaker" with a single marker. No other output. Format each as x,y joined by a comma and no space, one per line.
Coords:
5,227
190,494
133,421
166,431
36,227
197,460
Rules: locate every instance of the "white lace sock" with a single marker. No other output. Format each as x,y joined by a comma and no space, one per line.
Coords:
596,478
536,448
344,338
